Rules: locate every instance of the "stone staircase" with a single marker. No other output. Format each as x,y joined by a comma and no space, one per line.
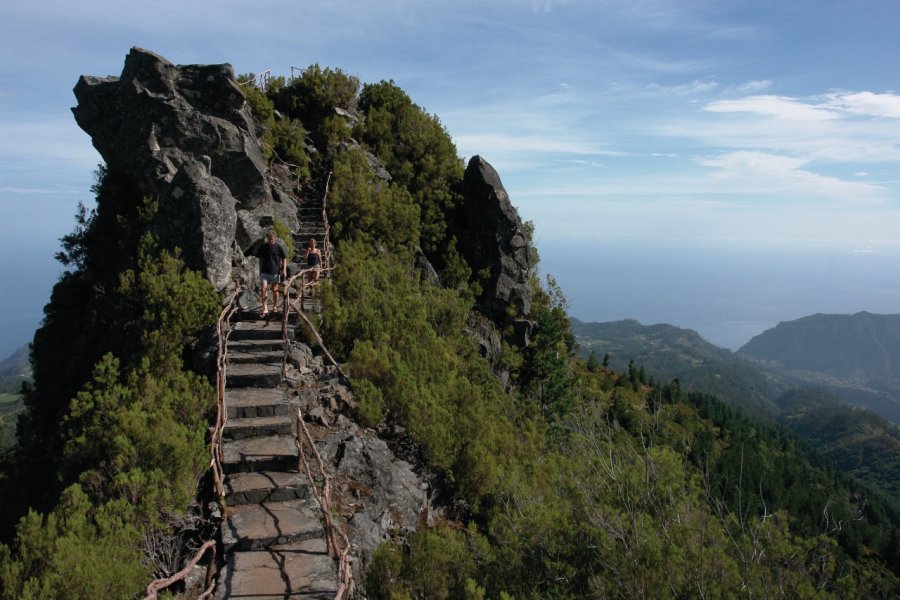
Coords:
312,225
273,538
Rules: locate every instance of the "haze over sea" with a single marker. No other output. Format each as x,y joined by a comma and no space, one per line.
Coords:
728,293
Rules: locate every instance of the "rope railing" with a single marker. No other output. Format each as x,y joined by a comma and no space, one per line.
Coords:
326,241
160,584
297,306
216,458
323,497
260,80
215,445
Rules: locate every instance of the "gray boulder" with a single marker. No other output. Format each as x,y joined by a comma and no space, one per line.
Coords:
185,136
495,240
389,496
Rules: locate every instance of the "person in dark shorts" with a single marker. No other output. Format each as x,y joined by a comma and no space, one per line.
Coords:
272,269
313,260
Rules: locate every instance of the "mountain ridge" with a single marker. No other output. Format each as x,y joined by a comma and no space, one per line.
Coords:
545,475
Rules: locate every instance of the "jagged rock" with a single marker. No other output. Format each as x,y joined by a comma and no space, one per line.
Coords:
351,116
426,271
391,487
490,344
521,333
184,136
496,241
299,354
377,168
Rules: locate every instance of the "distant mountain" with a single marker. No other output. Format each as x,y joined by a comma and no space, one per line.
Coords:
668,352
16,364
856,348
856,357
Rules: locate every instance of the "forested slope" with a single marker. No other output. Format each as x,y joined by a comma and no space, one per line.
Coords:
557,478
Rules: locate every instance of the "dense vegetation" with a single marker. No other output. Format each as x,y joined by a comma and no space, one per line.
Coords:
14,371
577,480
671,352
860,442
110,447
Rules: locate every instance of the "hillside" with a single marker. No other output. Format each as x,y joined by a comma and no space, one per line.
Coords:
14,371
670,352
536,474
858,441
856,357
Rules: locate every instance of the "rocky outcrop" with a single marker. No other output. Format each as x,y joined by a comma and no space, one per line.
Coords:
185,136
495,243
490,345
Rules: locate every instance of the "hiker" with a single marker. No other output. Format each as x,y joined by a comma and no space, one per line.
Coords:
272,268
313,260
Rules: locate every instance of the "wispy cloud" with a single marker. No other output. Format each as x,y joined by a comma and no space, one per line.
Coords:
40,190
867,104
779,107
501,142
693,88
772,174
753,87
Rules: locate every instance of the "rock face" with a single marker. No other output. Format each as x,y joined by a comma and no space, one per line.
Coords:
495,240
186,137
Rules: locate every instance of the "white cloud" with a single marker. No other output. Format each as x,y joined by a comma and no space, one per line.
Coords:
772,174
867,104
693,88
478,143
780,107
753,87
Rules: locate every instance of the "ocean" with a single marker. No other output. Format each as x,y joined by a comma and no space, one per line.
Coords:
728,293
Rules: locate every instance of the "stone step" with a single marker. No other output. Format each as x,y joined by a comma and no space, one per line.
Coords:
275,453
258,526
254,355
255,402
239,429
250,346
253,375
257,330
301,571
268,486
252,314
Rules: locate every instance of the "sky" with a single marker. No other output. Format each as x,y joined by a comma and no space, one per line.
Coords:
678,158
